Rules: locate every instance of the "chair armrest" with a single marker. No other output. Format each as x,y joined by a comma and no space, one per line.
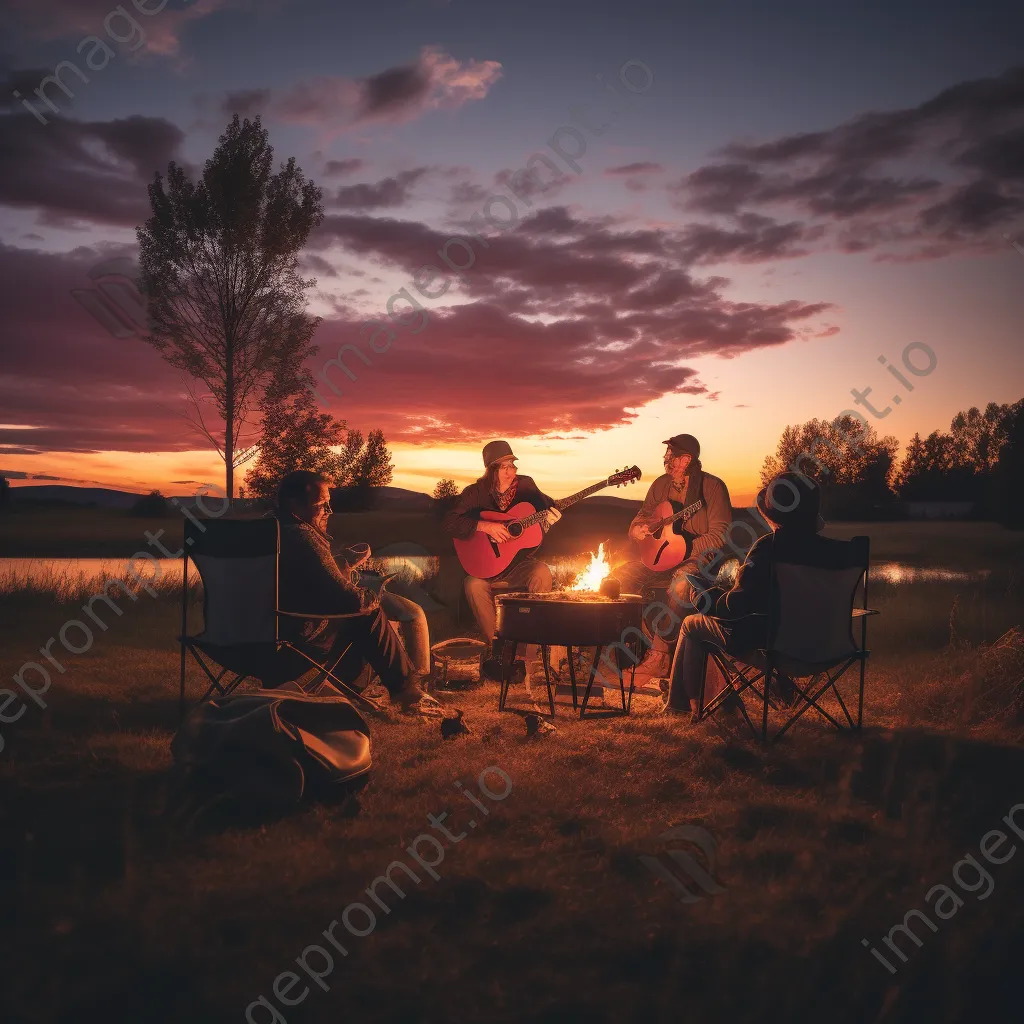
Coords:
320,616
859,613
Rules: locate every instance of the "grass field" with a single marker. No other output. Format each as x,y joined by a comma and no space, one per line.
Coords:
543,913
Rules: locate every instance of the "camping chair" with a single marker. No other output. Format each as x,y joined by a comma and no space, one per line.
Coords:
237,560
810,619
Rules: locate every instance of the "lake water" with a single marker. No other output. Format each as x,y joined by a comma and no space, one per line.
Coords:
412,565
73,573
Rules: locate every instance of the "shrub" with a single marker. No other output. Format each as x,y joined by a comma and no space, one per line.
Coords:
152,506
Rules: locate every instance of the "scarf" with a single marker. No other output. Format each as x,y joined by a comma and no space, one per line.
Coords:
504,499
694,483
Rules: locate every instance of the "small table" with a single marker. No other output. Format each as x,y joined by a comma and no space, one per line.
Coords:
570,620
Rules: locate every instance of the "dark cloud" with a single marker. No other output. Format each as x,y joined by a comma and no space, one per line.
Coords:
14,474
592,322
961,182
395,95
63,374
640,167
340,168
527,187
386,192
752,239
84,170
318,265
58,19
246,102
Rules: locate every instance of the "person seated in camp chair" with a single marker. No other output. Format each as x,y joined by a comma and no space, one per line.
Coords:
736,622
311,581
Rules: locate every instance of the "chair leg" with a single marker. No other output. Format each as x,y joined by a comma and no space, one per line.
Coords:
768,672
860,699
181,696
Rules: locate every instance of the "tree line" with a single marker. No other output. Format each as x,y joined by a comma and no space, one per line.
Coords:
979,460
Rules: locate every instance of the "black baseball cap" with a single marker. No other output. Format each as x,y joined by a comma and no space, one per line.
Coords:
684,444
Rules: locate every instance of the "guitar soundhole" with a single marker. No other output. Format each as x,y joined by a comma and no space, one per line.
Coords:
660,552
515,529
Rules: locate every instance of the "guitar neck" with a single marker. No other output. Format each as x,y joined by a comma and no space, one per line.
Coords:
683,513
565,502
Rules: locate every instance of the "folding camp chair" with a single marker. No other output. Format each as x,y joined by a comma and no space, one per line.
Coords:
237,560
810,627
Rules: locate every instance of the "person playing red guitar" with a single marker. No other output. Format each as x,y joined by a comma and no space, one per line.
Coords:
498,490
683,483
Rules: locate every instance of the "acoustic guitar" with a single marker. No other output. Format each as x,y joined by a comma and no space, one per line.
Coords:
668,543
483,557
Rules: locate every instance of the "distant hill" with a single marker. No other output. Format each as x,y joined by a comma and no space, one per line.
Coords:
611,501
100,496
391,498
400,499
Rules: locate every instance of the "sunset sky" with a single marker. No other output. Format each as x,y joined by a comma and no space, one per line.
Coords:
796,190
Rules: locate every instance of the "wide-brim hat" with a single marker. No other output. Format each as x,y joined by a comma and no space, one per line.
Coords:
496,451
791,499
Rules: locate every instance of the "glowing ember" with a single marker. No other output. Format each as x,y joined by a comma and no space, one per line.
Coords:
590,578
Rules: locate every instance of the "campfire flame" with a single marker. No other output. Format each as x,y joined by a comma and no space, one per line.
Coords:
590,578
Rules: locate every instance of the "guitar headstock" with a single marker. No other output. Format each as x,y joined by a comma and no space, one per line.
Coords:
624,476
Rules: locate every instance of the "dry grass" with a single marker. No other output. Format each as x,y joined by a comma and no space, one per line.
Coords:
543,913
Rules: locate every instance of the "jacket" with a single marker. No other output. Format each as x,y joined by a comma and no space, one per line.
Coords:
709,525
310,580
750,594
461,520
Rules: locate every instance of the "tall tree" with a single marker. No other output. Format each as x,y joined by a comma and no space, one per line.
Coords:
445,493
371,467
5,492
957,466
374,468
225,303
445,490
296,435
850,462
1008,476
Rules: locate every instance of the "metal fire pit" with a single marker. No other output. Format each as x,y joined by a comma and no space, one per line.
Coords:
569,619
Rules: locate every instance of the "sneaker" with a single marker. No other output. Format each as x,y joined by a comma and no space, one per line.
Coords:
492,670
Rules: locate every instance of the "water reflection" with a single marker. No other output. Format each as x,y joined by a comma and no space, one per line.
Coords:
900,573
413,564
64,575
565,569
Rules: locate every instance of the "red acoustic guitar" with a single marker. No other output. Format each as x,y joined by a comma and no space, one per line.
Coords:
668,544
485,558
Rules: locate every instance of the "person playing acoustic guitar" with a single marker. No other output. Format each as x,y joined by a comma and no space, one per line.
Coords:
683,483
498,490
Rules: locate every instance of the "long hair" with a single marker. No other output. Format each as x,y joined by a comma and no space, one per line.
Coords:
490,477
